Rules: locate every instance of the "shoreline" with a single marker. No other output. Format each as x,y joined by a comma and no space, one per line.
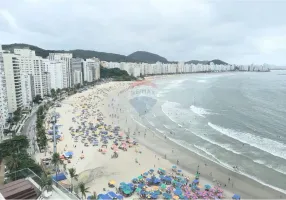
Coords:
248,188
124,168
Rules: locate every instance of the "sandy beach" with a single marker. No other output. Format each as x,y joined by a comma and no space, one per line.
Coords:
109,102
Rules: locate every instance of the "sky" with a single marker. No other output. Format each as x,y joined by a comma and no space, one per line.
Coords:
236,31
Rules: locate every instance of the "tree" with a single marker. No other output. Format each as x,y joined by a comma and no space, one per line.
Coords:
56,161
17,144
94,196
46,183
17,115
53,93
12,162
73,175
37,99
83,190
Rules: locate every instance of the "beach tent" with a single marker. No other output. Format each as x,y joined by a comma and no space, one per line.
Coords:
68,154
236,197
59,177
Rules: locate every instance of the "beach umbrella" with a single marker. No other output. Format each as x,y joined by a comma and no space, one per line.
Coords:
167,195
151,170
140,177
174,167
145,174
112,194
179,170
175,197
196,181
236,196
207,187
178,192
138,190
163,186
112,182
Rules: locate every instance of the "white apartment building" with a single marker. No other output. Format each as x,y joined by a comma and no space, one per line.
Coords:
91,70
56,74
28,93
3,95
31,64
13,81
77,71
67,73
97,69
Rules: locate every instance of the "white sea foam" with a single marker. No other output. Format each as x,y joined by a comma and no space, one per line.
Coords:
201,81
267,145
167,127
185,145
151,123
276,168
159,130
199,111
224,146
167,107
138,122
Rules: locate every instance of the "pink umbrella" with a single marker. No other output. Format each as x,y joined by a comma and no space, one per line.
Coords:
121,134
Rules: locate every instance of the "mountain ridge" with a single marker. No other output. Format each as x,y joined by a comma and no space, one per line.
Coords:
138,56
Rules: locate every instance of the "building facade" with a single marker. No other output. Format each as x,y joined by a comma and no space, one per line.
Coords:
67,73
3,95
13,81
77,71
28,92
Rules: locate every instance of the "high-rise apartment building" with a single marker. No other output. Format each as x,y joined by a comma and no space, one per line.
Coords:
67,73
57,73
13,81
28,92
30,64
77,71
3,95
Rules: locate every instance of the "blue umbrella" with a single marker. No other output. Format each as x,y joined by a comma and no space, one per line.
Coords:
112,194
167,195
179,170
174,167
236,196
178,192
196,181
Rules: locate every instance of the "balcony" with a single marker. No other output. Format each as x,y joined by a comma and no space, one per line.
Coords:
31,187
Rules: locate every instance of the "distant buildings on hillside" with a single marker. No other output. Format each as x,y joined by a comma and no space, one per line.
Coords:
146,69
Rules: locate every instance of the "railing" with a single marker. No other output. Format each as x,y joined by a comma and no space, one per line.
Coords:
37,181
65,191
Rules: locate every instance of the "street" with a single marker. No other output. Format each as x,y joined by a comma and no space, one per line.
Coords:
29,129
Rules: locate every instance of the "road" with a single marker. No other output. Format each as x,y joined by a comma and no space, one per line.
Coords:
29,129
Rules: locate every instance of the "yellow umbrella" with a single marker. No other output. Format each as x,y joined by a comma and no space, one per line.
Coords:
175,197
112,182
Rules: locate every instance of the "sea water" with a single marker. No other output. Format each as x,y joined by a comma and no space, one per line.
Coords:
233,119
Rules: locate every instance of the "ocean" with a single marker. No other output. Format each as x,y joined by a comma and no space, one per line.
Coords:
234,119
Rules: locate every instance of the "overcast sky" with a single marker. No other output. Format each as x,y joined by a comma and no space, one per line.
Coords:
236,31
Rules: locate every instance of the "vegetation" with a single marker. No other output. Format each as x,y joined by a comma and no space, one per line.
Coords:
56,161
147,57
53,93
17,115
46,183
14,152
216,62
42,139
37,99
110,57
83,190
115,73
73,175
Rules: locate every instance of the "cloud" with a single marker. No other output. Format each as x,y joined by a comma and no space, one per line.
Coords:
236,31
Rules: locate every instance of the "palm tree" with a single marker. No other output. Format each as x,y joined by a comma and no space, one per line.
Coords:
93,197
83,190
56,161
73,175
46,183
